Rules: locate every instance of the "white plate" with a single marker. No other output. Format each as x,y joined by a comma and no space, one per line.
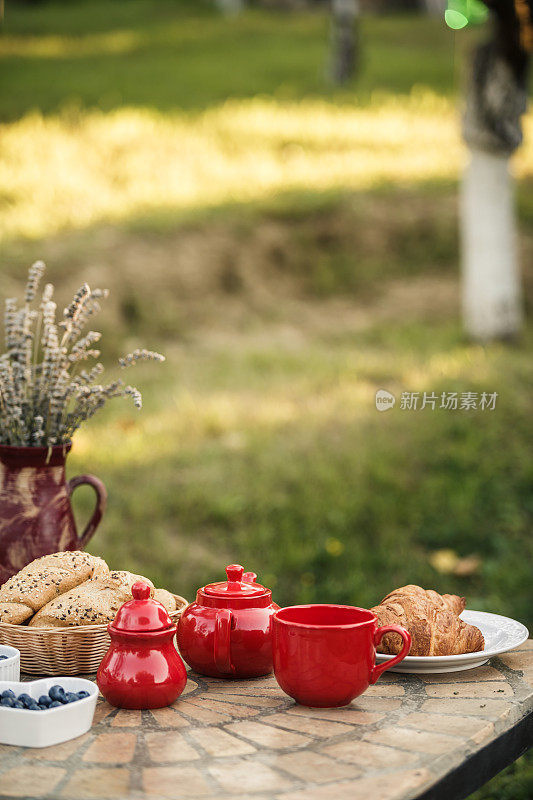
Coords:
500,633
19,726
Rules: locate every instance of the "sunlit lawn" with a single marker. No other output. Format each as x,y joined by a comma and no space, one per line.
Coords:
74,171
291,248
154,121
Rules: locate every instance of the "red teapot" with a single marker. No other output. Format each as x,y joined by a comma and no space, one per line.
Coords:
226,633
142,668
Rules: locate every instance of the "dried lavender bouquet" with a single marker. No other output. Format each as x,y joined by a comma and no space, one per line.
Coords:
45,393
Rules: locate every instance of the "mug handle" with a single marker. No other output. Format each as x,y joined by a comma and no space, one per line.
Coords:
223,622
379,669
101,501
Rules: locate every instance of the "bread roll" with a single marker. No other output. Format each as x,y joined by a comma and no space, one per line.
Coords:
94,602
166,599
129,578
43,580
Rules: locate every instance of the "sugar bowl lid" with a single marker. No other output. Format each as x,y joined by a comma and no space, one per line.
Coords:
142,614
239,585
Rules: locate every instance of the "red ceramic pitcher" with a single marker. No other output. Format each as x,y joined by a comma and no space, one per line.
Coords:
226,633
35,512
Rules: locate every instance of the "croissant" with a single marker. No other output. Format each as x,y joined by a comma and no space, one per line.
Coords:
432,620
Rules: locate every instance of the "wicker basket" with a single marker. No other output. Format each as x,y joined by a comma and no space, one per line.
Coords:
63,651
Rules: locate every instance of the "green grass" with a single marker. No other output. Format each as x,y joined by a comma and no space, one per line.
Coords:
160,54
281,313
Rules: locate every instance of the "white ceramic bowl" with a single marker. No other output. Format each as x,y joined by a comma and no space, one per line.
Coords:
10,666
24,728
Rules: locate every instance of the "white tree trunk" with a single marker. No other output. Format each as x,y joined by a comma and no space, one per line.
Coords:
344,39
492,302
230,7
435,7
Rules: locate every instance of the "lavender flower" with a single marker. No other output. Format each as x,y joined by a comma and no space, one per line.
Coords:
43,397
73,310
135,395
34,276
139,355
38,431
80,348
10,323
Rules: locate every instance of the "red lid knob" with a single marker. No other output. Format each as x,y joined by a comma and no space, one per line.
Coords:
234,573
140,591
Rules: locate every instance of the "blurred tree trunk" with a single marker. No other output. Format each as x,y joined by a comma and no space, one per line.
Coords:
344,39
230,7
435,7
492,294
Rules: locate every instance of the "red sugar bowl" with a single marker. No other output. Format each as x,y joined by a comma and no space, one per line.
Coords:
226,633
142,668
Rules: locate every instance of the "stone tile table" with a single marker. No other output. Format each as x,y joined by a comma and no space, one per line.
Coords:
406,737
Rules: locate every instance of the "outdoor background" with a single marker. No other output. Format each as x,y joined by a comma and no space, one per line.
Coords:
291,248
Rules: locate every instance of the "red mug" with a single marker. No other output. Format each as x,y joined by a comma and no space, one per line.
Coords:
325,655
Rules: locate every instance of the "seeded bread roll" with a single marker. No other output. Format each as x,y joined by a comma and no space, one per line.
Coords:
94,602
14,613
129,578
43,580
166,599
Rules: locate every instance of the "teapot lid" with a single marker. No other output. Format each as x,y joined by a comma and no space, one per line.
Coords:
238,585
142,614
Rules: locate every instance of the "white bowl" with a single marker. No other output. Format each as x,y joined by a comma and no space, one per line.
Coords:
24,728
10,666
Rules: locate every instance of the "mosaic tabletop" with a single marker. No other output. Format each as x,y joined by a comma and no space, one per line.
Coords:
406,737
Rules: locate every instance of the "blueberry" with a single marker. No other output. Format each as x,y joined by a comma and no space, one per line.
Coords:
44,700
25,699
57,693
16,704
33,706
55,704
2,657
8,693
71,697
83,694
7,701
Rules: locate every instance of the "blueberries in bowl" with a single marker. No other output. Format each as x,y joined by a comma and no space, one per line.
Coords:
44,700
57,693
25,699
3,657
55,698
